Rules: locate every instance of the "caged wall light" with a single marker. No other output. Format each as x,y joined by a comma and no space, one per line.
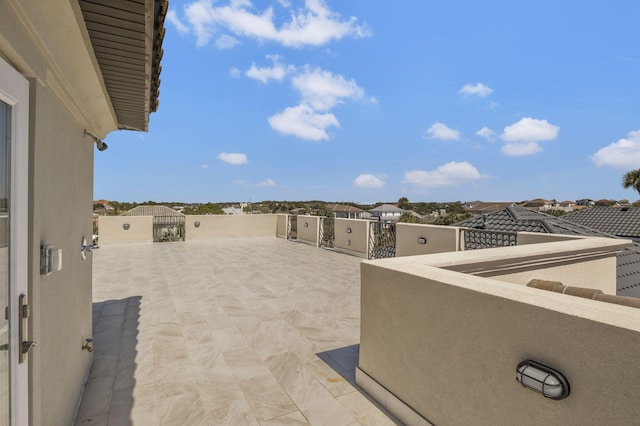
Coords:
542,379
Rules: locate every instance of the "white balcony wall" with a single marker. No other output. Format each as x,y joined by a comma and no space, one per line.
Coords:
443,346
281,225
111,229
439,239
230,226
356,242
538,237
308,229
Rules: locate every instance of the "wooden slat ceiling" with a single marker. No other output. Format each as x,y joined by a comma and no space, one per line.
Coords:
118,33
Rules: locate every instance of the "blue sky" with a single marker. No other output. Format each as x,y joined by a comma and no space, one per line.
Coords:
372,101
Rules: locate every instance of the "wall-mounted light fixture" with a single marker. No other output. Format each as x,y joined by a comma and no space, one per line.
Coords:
306,224
126,226
196,224
422,240
99,144
542,379
348,230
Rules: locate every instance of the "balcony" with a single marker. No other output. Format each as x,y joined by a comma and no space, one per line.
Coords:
236,326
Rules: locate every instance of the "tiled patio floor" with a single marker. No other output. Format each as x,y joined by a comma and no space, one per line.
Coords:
225,332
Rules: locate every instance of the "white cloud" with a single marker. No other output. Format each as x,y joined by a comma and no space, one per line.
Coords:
235,72
277,72
521,148
522,137
478,89
304,122
320,91
312,25
267,183
173,18
530,130
368,181
225,42
623,154
452,173
233,158
323,90
442,132
204,166
486,133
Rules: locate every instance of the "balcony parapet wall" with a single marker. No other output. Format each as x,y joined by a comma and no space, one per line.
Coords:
440,341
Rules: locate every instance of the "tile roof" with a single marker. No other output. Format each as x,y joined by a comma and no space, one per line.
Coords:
520,219
127,37
387,208
345,208
622,222
156,211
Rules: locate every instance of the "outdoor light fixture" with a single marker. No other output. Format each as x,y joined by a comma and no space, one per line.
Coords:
196,224
422,240
306,224
99,144
542,379
348,230
126,226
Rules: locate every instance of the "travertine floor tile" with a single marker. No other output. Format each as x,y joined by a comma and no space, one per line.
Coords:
225,332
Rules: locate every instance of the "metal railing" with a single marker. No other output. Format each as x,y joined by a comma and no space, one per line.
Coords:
382,240
473,239
292,227
327,232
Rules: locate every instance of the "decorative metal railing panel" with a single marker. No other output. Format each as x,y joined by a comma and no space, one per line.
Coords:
168,228
327,232
292,227
382,240
474,239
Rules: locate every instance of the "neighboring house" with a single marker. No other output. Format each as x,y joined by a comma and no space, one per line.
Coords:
386,213
585,202
622,222
519,219
297,211
539,204
233,210
479,207
346,212
71,72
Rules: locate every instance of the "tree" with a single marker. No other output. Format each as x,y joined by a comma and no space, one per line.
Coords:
407,217
403,203
631,179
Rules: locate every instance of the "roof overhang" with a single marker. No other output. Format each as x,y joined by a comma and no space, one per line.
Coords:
126,37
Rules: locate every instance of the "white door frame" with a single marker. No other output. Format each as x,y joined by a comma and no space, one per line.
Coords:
14,90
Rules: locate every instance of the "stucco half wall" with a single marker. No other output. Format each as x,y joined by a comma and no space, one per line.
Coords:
119,229
217,226
446,344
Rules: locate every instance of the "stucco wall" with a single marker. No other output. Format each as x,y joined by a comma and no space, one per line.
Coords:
61,215
217,226
281,225
447,345
308,234
439,239
111,230
537,237
355,242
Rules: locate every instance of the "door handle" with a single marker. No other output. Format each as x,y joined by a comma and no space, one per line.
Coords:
24,313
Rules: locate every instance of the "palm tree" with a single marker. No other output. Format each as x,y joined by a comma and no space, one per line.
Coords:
632,180
403,203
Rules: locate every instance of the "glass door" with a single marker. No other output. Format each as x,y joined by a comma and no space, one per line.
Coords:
14,116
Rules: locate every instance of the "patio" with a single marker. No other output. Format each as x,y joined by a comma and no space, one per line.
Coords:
227,331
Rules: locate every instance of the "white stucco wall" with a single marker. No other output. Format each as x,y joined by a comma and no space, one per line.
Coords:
447,344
